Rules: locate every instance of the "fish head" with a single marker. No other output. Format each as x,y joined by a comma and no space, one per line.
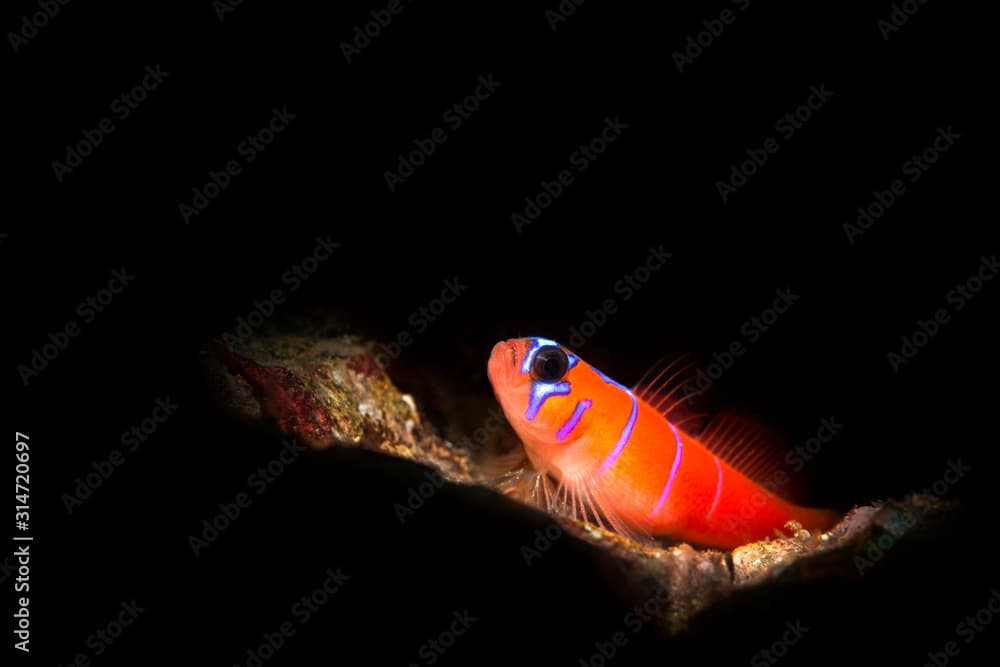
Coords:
533,379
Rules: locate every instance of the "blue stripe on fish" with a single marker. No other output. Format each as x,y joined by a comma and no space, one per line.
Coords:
574,419
626,432
673,470
540,392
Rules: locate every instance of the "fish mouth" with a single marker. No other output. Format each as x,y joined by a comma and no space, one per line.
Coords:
503,368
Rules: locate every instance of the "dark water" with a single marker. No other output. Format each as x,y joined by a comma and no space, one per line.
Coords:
887,125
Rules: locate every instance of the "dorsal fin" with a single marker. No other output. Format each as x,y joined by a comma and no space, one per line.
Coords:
669,388
749,449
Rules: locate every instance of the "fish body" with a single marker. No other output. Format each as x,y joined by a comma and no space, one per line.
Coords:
615,454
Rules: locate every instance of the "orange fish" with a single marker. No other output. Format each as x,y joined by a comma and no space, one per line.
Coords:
605,452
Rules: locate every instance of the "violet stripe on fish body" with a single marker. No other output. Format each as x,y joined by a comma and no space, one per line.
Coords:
673,469
574,419
626,431
540,392
654,490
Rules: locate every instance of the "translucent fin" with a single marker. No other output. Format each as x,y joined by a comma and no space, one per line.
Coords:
745,447
578,497
667,387
522,484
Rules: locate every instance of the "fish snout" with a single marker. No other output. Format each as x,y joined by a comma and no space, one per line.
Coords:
503,366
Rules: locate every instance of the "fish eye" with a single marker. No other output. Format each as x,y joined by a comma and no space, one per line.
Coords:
550,364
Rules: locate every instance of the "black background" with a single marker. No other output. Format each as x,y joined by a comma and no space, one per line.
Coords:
452,219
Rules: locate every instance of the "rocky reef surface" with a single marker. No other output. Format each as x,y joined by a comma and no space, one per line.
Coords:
332,392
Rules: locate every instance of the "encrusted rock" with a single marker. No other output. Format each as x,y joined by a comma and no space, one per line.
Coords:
332,391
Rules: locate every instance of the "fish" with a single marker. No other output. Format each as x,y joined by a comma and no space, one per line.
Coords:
622,457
